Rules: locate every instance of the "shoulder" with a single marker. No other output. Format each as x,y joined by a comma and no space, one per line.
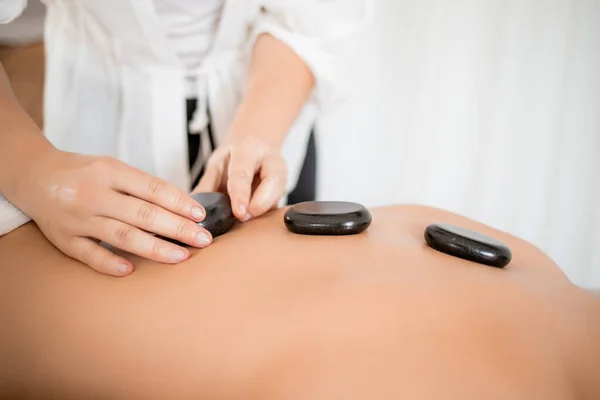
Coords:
11,9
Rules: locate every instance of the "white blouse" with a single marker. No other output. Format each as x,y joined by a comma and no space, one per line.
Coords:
116,86
191,26
11,9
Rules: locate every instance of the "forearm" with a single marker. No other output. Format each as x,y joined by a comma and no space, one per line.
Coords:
21,141
279,86
25,68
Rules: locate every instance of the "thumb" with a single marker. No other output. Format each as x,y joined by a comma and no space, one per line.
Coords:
210,181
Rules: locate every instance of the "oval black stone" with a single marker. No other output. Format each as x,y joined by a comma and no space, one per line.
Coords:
219,217
327,218
468,245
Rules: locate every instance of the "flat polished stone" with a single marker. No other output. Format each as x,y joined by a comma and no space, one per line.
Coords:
219,217
468,245
327,218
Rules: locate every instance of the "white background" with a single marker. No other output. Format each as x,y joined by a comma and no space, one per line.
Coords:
487,108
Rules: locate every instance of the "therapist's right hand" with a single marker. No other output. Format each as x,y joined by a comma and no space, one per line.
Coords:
78,201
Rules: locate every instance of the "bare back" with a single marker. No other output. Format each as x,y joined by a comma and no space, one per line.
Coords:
266,314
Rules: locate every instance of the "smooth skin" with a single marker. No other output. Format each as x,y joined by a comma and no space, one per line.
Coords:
25,66
267,314
80,200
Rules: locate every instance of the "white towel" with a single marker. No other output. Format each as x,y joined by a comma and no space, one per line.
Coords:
10,217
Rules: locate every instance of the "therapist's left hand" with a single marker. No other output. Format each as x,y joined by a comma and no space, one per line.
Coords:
251,171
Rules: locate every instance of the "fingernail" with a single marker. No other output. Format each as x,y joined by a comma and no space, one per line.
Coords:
197,213
123,268
203,239
177,255
247,217
242,209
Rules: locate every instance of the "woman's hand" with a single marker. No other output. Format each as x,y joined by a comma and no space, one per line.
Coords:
279,85
251,171
79,200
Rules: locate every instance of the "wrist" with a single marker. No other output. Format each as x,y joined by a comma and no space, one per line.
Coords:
260,119
18,160
236,136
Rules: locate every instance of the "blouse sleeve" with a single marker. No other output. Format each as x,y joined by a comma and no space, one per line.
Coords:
325,34
11,9
10,216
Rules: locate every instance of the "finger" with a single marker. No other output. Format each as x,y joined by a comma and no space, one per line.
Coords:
272,187
154,219
242,167
157,191
211,180
135,241
213,177
97,257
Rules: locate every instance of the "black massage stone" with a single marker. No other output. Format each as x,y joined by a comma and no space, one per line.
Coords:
468,245
327,218
219,217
